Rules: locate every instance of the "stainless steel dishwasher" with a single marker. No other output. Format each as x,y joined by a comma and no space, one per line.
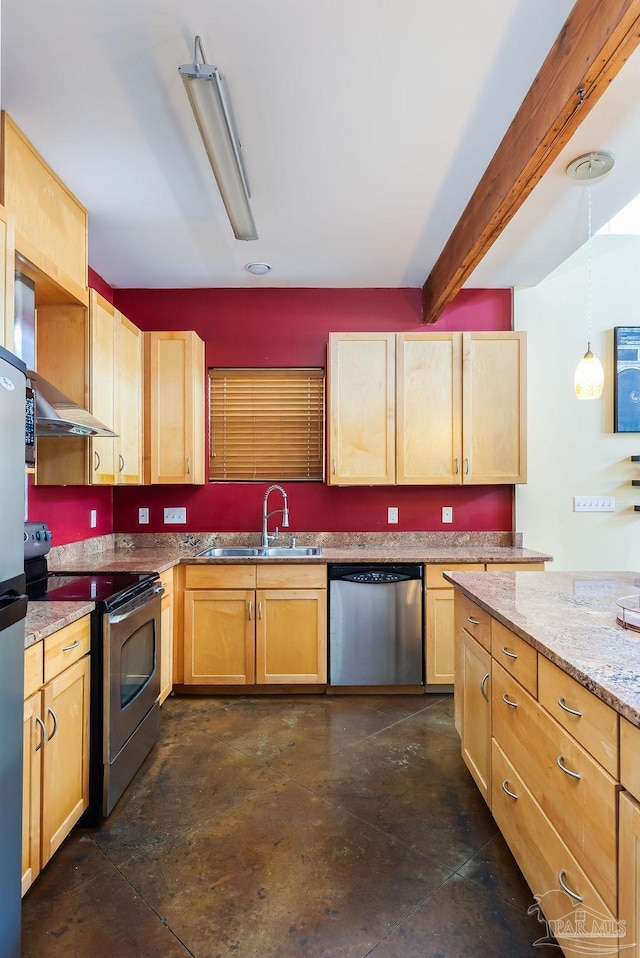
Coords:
375,624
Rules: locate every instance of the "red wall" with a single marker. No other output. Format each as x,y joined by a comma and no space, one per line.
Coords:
281,327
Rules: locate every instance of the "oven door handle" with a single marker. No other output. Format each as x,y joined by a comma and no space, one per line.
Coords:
126,611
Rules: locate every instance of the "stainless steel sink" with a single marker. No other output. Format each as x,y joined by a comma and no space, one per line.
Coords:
229,552
297,552
276,552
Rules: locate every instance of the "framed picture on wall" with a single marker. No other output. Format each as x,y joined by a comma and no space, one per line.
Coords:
626,385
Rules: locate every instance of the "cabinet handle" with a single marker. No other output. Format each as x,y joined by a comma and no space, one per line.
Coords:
259,610
121,458
74,645
55,722
563,705
512,655
333,466
188,465
250,605
567,771
483,685
43,733
565,887
466,467
473,621
97,458
506,790
456,465
507,701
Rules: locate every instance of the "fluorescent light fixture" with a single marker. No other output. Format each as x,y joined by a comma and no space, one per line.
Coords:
210,104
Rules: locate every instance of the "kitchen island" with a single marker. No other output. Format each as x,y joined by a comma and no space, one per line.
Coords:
548,707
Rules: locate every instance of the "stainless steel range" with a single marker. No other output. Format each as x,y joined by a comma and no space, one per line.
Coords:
125,663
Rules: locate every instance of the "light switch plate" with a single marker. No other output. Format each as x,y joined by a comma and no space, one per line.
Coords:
594,504
143,516
392,514
93,522
176,515
447,513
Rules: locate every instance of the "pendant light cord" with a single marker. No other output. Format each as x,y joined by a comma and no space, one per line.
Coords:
589,289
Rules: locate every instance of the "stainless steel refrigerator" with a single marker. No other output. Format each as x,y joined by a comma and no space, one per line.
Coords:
13,608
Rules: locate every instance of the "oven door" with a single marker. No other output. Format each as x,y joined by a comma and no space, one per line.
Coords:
131,669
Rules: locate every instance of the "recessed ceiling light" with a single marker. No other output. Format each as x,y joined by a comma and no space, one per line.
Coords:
258,269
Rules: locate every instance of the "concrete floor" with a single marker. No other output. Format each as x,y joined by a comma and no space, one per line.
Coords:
310,826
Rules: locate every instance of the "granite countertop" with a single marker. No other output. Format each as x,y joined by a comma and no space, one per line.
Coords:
44,618
569,617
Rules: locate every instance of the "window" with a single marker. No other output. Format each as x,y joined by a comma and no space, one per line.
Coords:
266,424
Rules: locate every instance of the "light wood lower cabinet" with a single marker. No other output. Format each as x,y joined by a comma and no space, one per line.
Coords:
238,634
56,745
476,712
629,874
166,635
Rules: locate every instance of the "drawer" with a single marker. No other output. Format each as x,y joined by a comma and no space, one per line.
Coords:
220,577
435,580
515,655
291,576
544,858
33,668
581,806
630,757
66,646
596,724
475,620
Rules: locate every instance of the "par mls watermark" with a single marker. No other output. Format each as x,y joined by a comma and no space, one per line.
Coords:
577,928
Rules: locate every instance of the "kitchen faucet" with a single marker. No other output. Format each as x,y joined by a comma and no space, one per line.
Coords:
266,538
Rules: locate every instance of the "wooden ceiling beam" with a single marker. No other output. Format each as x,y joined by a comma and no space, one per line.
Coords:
595,42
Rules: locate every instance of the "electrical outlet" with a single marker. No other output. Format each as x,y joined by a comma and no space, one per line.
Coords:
594,504
447,513
392,514
143,516
94,518
176,515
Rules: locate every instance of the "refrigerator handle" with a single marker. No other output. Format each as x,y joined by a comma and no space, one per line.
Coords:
13,608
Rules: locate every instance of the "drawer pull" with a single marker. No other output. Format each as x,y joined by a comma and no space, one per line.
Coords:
565,887
74,645
250,606
507,792
483,685
43,733
565,707
473,621
55,722
567,771
507,701
512,655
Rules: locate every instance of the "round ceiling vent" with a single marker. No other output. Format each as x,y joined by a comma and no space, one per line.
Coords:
258,269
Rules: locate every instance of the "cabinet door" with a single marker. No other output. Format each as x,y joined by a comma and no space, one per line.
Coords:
219,637
65,755
361,409
174,408
476,712
291,633
128,401
439,636
429,408
102,469
629,874
494,408
33,741
166,642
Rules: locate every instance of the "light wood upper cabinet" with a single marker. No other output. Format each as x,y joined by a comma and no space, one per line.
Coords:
174,408
494,408
128,401
426,408
361,409
429,398
102,341
51,224
7,273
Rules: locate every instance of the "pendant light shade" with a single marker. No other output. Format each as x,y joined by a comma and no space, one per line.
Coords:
588,380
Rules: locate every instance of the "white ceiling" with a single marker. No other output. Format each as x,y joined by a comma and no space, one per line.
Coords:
365,124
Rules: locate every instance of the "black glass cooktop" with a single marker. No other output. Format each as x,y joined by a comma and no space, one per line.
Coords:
106,588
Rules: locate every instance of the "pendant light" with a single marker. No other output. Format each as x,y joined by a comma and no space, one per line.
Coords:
588,380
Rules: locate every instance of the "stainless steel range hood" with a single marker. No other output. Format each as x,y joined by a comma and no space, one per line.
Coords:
57,415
